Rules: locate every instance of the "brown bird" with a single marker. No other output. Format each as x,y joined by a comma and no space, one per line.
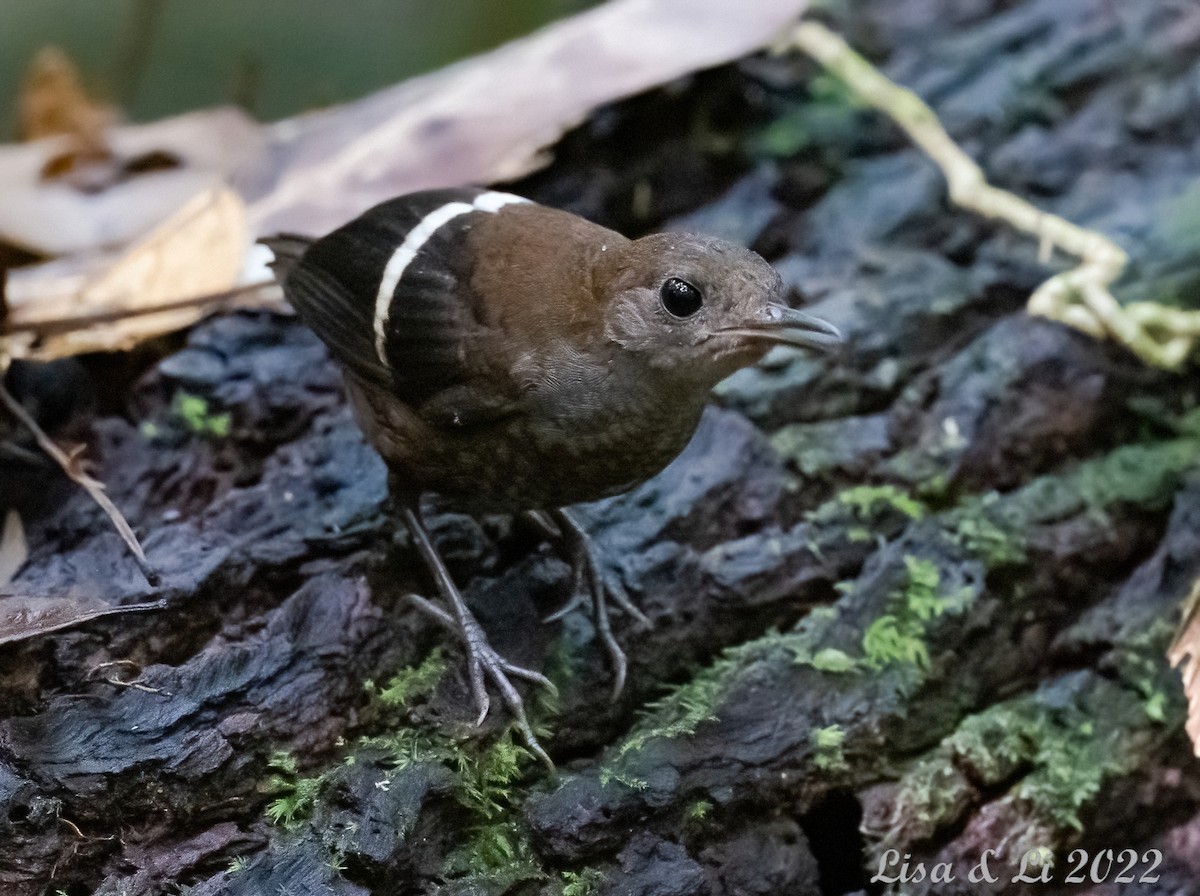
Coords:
514,357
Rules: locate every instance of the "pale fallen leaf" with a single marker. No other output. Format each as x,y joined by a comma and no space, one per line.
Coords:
13,549
22,618
1186,650
51,217
492,117
199,251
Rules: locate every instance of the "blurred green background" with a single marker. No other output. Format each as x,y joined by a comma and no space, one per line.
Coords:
274,57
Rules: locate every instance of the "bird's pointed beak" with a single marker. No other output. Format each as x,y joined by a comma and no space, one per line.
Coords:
787,326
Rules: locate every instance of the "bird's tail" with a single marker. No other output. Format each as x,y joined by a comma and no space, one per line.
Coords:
287,249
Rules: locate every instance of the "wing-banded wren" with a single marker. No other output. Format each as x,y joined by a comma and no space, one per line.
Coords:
510,356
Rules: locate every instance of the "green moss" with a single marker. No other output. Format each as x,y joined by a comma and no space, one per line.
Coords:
406,746
497,853
827,748
1049,740
830,659
678,714
698,810
1071,765
296,794
1141,475
335,862
972,526
866,504
411,683
897,637
194,412
933,793
862,511
486,778
866,500
830,115
1145,475
237,865
934,489
1142,666
681,711
1143,674
496,849
494,853
675,715
581,883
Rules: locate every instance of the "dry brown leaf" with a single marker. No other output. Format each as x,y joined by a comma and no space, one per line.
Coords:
53,103
22,618
200,251
13,549
1186,650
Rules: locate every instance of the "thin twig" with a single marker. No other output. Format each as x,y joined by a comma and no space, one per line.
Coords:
1079,297
70,464
135,683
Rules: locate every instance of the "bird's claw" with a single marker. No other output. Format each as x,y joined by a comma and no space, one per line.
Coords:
484,664
599,586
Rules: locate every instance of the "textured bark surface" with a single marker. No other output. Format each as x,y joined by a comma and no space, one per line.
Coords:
912,598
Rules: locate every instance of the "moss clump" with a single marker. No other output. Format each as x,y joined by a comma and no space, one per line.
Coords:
496,849
681,711
866,500
830,115
1146,476
194,413
834,661
866,508
411,683
827,748
497,854
296,794
1070,766
1142,667
237,865
1050,744
581,883
801,643
972,526
675,715
897,637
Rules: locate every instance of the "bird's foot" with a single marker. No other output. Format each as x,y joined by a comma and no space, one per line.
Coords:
485,664
595,583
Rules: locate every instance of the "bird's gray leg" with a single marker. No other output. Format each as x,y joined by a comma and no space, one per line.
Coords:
482,660
593,582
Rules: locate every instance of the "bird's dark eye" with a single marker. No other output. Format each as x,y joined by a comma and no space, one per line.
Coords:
680,298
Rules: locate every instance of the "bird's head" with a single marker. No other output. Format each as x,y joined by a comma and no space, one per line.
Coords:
700,307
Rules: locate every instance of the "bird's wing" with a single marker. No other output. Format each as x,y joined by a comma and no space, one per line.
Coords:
390,294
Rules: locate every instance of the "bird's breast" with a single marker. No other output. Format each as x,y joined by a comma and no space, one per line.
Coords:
584,434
